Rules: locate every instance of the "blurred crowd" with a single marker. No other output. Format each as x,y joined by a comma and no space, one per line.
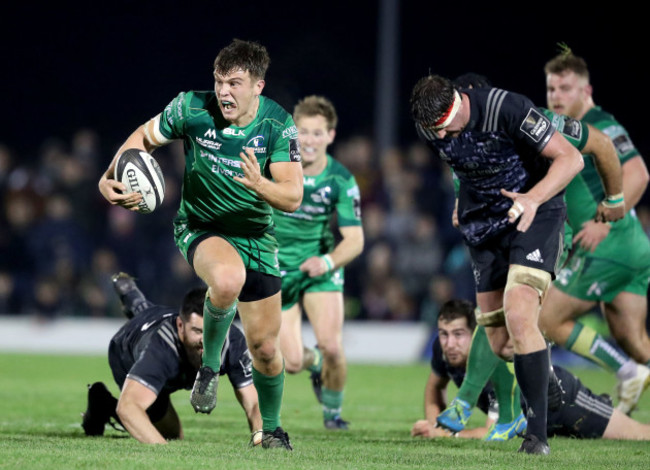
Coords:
60,241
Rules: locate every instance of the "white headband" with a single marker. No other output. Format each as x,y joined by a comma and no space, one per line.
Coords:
449,115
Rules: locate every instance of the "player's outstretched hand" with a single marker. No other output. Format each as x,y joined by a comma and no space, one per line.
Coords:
113,192
251,169
424,428
523,208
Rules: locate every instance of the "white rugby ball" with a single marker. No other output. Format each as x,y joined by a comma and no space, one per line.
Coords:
140,173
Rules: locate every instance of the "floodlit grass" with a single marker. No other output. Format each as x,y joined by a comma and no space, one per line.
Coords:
41,398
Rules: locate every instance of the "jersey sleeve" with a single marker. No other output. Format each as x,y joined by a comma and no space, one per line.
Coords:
174,116
438,365
348,206
239,364
156,364
576,132
285,146
524,122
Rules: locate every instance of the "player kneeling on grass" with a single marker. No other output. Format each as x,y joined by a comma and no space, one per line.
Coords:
157,352
581,414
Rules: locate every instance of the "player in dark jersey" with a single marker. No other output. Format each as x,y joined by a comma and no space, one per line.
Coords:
449,358
481,361
157,352
512,166
582,414
242,159
610,263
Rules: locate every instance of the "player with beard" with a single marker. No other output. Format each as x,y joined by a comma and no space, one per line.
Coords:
157,352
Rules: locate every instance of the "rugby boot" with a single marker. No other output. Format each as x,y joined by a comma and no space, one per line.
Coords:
101,407
630,390
532,445
277,439
506,431
204,393
131,297
455,416
336,423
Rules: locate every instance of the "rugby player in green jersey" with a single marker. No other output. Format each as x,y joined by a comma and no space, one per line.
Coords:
312,262
610,263
242,159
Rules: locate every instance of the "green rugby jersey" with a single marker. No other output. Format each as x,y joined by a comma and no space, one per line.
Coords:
211,198
586,191
306,232
626,239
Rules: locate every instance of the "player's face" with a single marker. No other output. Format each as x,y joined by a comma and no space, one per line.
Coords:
238,94
458,124
314,137
191,335
567,93
455,339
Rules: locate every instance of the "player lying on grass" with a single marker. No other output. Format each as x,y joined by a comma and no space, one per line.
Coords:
157,352
581,414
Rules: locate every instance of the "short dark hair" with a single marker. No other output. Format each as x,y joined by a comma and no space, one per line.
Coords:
249,56
472,80
431,98
567,61
313,105
458,308
193,303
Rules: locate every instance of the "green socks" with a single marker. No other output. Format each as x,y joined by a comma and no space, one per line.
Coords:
216,323
589,344
269,390
481,363
332,403
507,392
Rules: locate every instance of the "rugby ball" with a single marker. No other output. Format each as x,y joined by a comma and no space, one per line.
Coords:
140,173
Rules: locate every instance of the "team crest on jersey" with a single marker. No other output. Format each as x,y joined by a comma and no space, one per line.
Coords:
535,125
257,144
322,195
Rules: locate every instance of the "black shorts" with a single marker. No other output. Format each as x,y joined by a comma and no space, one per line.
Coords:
586,416
539,247
257,286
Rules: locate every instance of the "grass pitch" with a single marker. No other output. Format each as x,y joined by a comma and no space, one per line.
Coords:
41,398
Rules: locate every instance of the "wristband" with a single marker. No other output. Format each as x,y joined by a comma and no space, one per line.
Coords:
614,200
328,262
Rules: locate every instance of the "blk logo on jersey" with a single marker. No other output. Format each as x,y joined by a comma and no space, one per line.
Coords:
233,132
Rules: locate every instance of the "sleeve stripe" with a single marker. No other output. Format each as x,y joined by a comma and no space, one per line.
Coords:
494,102
166,334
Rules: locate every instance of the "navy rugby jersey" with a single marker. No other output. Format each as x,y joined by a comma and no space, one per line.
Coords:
499,148
147,349
487,401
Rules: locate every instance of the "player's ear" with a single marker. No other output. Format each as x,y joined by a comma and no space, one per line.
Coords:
259,86
331,134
